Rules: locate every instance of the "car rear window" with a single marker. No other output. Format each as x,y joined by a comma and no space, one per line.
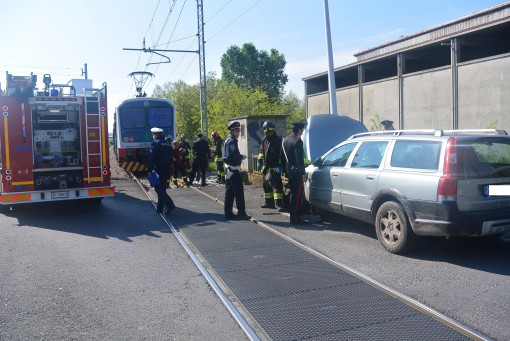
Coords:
484,157
416,154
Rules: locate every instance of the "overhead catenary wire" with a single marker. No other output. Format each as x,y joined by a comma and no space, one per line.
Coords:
233,21
171,35
169,41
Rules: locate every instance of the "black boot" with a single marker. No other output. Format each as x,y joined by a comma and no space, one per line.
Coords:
268,204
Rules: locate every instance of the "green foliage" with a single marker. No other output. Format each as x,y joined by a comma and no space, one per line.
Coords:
376,124
224,102
186,99
493,124
252,69
293,107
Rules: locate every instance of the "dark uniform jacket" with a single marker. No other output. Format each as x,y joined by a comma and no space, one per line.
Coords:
160,155
201,150
293,148
231,154
186,148
218,147
271,149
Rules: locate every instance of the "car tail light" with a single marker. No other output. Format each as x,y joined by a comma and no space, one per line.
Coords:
447,187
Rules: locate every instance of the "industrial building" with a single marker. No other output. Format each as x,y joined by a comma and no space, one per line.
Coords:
452,76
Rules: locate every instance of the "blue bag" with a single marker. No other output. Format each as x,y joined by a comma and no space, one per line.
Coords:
153,178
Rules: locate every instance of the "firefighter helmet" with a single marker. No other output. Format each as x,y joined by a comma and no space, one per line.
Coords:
268,126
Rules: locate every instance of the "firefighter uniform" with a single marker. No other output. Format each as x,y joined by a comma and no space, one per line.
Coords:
233,182
270,162
218,156
160,160
295,168
201,156
186,147
178,164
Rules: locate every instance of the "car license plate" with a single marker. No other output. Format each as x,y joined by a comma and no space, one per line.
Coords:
496,190
59,195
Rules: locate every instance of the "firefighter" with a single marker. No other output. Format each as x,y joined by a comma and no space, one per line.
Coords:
270,163
292,148
169,139
233,182
178,164
201,156
160,160
186,148
218,156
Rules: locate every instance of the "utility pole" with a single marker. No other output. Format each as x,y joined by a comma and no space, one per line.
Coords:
201,57
331,72
203,75
84,71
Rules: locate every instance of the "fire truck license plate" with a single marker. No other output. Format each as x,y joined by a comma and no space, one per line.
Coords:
59,195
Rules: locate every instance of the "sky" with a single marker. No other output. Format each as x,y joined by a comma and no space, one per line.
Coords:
58,37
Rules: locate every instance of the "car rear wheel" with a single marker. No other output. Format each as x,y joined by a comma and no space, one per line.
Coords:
392,228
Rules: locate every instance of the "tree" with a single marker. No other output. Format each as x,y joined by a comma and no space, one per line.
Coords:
224,102
250,68
186,99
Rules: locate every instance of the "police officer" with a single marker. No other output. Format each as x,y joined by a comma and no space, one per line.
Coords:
295,168
160,160
270,163
218,156
233,181
201,156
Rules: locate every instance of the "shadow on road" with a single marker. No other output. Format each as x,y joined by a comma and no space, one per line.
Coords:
485,254
122,217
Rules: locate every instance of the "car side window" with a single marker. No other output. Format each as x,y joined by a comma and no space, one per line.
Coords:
416,154
338,157
369,154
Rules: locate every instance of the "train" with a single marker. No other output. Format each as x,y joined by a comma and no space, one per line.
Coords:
53,142
132,137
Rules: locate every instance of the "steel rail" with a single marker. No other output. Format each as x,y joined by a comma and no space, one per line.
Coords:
462,328
245,326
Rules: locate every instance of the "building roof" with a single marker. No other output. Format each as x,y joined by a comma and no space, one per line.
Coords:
476,21
483,18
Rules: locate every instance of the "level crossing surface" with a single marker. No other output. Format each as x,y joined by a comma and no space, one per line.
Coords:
289,293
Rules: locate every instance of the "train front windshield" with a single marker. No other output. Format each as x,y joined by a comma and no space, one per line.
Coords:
135,117
161,117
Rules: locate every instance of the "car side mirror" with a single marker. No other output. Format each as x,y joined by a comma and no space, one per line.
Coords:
317,162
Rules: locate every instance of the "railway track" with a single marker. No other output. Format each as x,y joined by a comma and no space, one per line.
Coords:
256,330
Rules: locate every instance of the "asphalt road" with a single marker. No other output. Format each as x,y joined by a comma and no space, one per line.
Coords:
465,279
102,272
107,272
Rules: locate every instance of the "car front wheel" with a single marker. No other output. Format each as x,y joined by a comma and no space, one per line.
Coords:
392,228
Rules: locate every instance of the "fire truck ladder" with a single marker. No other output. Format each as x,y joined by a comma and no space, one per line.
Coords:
94,135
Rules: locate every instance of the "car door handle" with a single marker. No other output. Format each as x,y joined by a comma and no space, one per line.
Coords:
370,177
335,174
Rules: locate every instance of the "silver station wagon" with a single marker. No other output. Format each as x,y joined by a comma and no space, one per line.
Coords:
412,183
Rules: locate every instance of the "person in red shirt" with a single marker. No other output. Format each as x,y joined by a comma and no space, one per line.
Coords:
178,163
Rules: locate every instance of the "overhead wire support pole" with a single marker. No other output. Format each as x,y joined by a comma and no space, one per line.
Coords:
203,75
331,68
201,57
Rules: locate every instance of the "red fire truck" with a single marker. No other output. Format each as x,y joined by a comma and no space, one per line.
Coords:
54,143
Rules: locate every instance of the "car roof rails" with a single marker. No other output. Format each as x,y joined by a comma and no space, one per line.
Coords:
435,132
476,132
